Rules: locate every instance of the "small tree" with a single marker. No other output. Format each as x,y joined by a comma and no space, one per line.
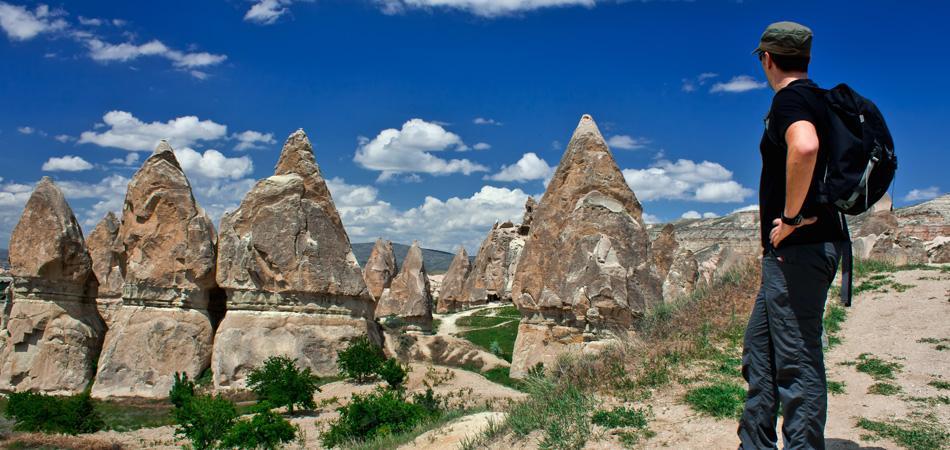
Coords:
182,391
204,420
360,360
392,373
279,382
267,430
45,413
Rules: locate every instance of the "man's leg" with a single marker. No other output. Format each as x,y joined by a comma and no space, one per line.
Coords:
757,425
796,310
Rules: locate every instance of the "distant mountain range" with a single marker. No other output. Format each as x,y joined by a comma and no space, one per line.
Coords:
436,261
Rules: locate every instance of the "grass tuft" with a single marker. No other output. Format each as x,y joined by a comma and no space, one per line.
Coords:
882,388
877,368
721,400
836,387
915,435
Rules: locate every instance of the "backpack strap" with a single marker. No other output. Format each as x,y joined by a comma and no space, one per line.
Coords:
847,263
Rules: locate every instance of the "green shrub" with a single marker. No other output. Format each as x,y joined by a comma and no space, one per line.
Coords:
204,420
182,391
621,417
44,413
279,382
723,400
560,411
380,413
266,430
392,373
360,360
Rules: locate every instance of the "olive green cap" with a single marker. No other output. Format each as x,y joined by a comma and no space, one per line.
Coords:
786,38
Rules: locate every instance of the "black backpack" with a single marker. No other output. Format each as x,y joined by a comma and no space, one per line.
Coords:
859,165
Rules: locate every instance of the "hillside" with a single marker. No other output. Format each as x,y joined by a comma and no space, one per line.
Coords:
436,261
3,258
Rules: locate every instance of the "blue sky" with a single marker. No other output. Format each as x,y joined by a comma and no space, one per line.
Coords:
431,122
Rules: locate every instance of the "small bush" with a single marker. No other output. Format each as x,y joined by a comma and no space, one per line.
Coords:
182,391
266,430
392,373
723,400
380,413
621,417
204,420
360,360
279,382
48,414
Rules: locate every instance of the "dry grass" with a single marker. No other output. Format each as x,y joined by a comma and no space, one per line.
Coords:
58,441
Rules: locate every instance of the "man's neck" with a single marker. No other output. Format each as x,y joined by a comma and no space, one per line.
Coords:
787,79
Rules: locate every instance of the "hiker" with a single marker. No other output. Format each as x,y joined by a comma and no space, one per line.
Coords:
802,241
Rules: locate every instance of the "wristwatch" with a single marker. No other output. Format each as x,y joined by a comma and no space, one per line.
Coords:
793,221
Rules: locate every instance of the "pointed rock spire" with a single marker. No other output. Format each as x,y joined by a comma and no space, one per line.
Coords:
380,268
105,256
587,263
409,298
454,282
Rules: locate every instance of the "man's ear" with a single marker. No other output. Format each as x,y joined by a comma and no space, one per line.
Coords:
767,57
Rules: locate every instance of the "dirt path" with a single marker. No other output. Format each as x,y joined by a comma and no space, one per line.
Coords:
448,326
887,325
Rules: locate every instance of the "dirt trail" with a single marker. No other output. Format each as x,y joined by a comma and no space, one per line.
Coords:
889,326
448,326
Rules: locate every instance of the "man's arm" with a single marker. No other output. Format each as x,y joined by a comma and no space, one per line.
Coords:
802,141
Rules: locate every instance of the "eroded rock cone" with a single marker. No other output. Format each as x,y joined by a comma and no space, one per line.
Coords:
490,276
586,268
409,298
380,268
676,266
54,333
167,257
106,256
450,294
293,284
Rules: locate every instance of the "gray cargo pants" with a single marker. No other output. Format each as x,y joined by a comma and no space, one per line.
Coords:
782,358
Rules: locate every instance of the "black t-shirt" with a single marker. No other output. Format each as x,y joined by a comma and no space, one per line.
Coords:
793,103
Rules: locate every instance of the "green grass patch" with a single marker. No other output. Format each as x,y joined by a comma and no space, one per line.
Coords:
396,440
900,287
915,435
510,312
504,337
940,384
481,321
722,399
865,267
882,388
501,375
621,418
877,368
836,387
560,411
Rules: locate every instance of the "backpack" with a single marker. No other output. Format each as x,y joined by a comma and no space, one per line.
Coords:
859,165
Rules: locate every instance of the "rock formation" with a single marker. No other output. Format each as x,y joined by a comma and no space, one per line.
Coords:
380,268
293,284
586,268
409,298
53,333
105,256
912,235
450,293
167,257
489,279
676,266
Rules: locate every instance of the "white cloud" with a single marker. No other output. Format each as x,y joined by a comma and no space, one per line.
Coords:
650,218
129,160
66,164
266,12
251,139
127,132
26,130
90,22
126,51
409,150
740,83
484,121
436,223
626,142
64,138
481,146
685,180
213,164
21,24
690,84
693,214
753,207
484,8
529,167
922,194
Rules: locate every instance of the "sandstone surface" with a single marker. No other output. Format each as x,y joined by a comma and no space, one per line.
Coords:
380,268
106,256
451,290
293,284
52,332
409,298
586,269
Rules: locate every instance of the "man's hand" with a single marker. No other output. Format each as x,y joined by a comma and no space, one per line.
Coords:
780,230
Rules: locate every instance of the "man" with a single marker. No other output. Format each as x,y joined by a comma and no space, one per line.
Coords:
782,357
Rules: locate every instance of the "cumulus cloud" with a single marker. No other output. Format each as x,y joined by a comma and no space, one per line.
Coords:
691,84
481,146
22,24
753,207
685,180
922,194
90,22
486,121
409,150
127,132
12,198
484,8
66,164
130,160
740,83
436,223
25,130
650,218
106,52
529,167
251,139
266,12
213,164
64,138
693,214
626,142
